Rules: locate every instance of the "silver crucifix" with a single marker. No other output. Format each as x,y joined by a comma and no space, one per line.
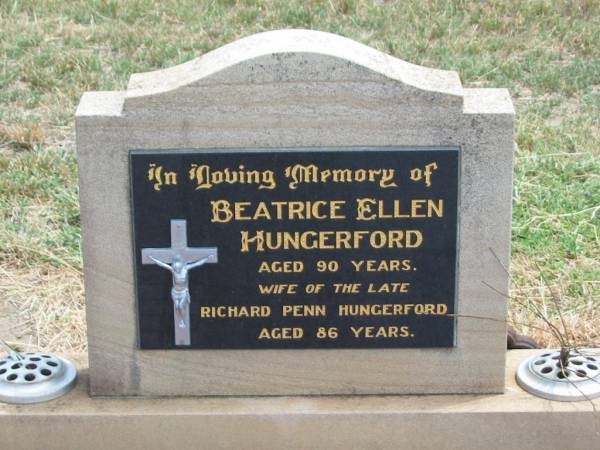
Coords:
179,260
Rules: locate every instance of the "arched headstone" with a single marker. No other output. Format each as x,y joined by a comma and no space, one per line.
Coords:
356,207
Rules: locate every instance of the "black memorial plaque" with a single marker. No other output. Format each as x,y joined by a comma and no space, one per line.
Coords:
317,248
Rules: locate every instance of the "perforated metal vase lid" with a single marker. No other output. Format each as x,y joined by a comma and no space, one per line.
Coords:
544,375
35,377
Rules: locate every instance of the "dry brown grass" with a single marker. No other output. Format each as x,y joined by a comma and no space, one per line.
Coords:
576,315
21,136
48,307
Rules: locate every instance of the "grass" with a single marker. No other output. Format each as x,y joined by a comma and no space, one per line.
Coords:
546,52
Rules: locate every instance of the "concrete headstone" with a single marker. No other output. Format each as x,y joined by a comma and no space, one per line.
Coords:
281,161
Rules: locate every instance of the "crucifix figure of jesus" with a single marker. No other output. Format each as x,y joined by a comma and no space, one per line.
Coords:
179,260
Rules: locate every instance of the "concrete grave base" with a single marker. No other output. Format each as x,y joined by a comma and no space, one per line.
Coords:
513,420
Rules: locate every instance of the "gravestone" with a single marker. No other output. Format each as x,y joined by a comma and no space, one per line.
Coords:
295,213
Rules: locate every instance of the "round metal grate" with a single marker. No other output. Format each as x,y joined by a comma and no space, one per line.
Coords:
543,375
35,377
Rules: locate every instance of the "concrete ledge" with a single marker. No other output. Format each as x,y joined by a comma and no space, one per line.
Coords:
513,420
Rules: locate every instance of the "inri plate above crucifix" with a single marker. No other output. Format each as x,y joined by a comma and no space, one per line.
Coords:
295,248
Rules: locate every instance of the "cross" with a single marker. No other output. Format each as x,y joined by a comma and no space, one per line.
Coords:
185,256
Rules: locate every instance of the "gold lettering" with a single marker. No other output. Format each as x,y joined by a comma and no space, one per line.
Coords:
372,209
329,240
384,265
170,178
281,267
363,210
416,205
266,289
278,210
386,178
259,239
390,331
281,333
207,312
438,209
221,211
160,176
298,174
207,178
418,174
239,208
303,310
392,309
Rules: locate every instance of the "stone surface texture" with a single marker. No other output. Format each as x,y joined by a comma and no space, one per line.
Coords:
513,420
295,88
